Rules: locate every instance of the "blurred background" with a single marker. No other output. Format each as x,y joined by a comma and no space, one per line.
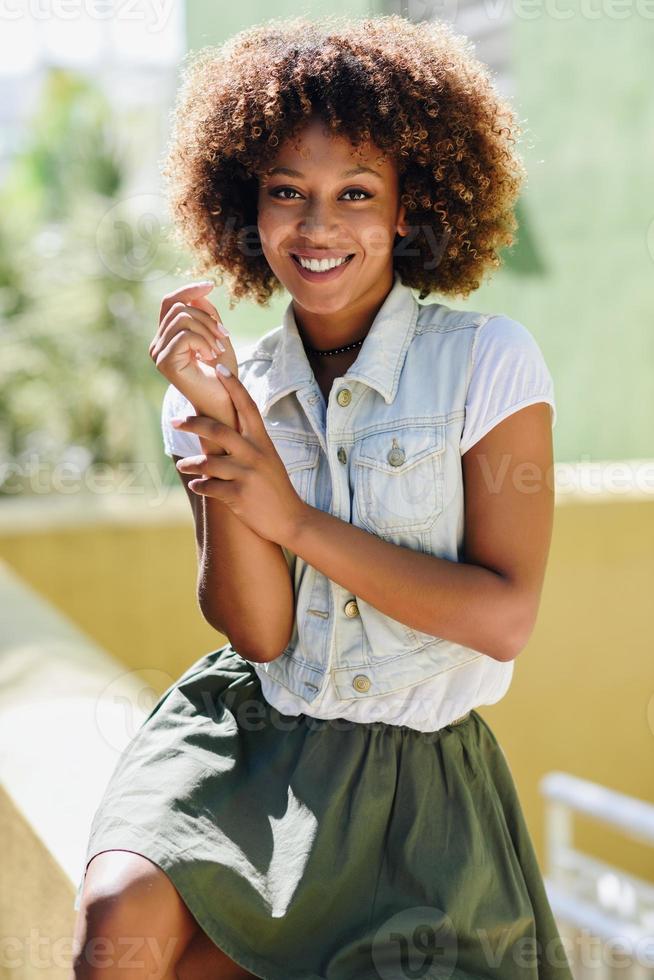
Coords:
97,557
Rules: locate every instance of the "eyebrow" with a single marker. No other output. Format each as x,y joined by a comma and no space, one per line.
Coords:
346,173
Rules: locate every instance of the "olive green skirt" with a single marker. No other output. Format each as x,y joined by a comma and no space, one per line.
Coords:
310,849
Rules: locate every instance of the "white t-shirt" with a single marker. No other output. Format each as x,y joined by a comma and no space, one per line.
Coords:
508,373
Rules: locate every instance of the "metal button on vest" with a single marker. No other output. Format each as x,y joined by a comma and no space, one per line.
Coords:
344,397
351,608
341,455
395,456
361,682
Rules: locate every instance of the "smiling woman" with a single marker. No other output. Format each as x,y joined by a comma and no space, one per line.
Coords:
375,581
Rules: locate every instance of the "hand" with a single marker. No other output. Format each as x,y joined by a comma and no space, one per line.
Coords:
250,478
183,349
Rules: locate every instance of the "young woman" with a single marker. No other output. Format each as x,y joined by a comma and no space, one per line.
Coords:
371,487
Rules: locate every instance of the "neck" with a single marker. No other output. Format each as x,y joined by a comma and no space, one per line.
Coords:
325,369
326,331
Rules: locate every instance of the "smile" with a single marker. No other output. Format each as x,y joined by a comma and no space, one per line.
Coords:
316,270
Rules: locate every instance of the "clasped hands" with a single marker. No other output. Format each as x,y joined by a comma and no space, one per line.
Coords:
250,478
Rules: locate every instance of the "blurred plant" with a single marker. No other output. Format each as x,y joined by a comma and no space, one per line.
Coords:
82,271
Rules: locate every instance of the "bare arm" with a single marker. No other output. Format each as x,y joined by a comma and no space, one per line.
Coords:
244,586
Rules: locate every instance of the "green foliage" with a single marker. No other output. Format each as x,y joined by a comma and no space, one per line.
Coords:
83,266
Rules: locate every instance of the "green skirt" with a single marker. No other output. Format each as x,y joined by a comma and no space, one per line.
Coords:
315,849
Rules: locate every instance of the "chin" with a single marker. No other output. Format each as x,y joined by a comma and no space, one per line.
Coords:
319,304
316,299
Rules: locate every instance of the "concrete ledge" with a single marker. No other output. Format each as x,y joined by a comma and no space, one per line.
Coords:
35,903
67,710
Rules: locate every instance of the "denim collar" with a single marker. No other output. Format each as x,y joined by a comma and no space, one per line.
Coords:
378,363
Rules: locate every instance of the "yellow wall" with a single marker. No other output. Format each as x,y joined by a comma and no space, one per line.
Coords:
582,697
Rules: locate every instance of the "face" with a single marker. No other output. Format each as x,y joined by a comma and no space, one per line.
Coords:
323,210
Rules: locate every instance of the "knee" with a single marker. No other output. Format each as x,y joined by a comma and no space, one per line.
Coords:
131,922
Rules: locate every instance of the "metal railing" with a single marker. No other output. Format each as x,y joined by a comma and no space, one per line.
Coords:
605,914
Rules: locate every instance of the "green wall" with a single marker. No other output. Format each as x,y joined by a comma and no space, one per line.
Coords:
583,93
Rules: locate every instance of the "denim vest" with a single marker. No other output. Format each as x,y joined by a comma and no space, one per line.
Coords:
383,454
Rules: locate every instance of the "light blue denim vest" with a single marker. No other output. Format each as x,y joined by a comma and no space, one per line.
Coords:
384,455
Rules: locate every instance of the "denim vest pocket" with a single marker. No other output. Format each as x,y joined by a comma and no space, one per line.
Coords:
301,460
398,478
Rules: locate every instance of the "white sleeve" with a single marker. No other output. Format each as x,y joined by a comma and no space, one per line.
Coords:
177,443
508,373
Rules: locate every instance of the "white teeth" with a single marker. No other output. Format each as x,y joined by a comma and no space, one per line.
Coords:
320,265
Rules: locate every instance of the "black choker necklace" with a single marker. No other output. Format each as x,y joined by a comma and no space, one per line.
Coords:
335,350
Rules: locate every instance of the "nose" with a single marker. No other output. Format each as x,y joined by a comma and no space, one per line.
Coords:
317,217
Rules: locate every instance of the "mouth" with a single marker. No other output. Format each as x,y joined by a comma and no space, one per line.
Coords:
315,275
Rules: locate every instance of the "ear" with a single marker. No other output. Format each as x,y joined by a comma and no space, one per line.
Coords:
402,227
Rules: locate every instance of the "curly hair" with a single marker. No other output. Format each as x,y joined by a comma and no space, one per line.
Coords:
414,90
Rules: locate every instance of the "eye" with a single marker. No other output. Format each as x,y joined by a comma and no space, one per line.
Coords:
357,191
278,190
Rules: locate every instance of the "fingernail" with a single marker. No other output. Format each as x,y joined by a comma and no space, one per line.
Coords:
219,347
224,331
176,421
223,369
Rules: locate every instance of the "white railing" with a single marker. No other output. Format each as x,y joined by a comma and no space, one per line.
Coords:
605,915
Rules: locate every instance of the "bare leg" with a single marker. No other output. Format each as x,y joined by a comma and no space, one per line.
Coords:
132,924
203,960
